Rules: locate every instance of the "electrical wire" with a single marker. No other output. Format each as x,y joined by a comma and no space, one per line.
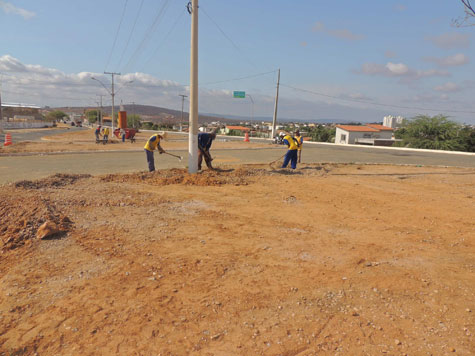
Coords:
148,34
228,38
374,103
241,78
165,38
131,32
116,35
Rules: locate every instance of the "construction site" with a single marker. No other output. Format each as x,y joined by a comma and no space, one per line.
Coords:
115,238
247,259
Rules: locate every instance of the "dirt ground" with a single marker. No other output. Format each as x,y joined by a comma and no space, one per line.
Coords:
326,260
85,140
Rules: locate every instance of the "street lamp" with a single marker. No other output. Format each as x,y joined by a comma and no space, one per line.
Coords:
112,94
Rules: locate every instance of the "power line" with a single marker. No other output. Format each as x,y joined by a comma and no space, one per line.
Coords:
241,78
374,103
116,35
228,38
165,38
131,32
148,34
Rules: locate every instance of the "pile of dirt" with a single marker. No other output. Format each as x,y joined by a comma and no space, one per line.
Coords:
54,181
181,176
20,222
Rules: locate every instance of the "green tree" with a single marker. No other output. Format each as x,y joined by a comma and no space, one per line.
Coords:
467,135
92,116
56,115
134,120
432,132
323,134
147,125
235,133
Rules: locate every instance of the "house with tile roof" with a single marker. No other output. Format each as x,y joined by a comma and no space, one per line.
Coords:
369,134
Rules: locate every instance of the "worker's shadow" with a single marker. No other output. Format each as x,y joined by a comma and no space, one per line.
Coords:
220,170
286,171
56,236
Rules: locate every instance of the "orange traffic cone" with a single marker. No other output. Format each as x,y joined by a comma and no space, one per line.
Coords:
246,137
8,140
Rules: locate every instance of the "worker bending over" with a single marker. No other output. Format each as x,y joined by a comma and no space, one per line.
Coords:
204,144
152,144
97,132
291,155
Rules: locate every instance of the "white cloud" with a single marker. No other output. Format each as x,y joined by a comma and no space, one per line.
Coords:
11,64
39,85
397,68
455,60
448,87
451,40
400,70
9,8
342,34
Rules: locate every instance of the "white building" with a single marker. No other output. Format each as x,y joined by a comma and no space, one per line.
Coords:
393,121
370,134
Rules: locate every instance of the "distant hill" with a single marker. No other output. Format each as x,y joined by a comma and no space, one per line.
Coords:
163,115
152,113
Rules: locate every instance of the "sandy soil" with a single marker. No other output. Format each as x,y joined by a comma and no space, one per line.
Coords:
84,140
327,260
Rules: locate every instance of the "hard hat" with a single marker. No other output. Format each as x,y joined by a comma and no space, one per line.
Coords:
282,134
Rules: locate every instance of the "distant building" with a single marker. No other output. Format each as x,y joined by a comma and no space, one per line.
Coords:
18,116
393,121
19,112
241,129
370,134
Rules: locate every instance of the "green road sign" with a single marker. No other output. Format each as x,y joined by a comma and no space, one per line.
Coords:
239,94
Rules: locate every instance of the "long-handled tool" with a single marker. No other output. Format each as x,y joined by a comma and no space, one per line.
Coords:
171,154
278,159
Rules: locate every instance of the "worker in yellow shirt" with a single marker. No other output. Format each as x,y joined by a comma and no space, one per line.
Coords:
105,134
153,144
291,155
300,142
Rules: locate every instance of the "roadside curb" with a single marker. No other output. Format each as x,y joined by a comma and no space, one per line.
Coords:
20,154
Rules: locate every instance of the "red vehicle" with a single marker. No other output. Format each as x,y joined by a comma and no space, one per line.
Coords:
129,134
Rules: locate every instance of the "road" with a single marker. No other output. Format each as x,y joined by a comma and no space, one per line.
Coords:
14,168
37,134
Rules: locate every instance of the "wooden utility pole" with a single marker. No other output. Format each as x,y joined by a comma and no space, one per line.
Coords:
193,126
274,121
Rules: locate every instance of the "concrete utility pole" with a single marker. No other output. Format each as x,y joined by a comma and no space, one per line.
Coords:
100,112
274,121
133,110
112,94
193,127
1,114
182,106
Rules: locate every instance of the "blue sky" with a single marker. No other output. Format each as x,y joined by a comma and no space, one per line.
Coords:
338,60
